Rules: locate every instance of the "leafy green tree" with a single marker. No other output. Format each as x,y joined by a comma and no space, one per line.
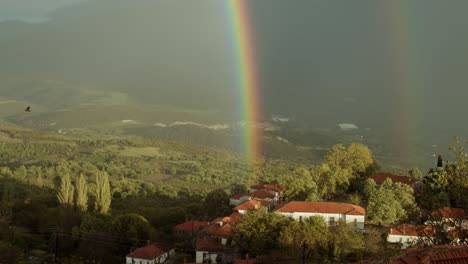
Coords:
300,185
82,193
383,206
356,157
458,176
258,231
310,235
66,192
436,180
416,174
103,195
217,203
347,242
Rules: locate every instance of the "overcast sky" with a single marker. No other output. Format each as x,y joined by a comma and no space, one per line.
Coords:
30,10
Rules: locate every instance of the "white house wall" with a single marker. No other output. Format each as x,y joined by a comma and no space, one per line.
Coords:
199,256
337,217
404,240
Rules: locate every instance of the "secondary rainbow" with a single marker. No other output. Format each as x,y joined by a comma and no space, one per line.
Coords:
246,77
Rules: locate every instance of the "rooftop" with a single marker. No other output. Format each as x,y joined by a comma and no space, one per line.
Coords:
251,205
208,245
434,254
411,230
191,225
381,177
239,195
149,252
449,213
262,194
322,207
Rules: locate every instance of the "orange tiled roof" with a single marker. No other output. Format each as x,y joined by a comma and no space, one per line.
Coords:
322,207
191,225
381,177
149,252
262,194
216,229
435,254
251,205
410,230
208,245
449,212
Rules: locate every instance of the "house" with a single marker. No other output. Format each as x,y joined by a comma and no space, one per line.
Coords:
450,218
443,254
264,194
189,229
274,189
221,228
331,212
150,254
379,178
209,251
408,235
237,199
252,205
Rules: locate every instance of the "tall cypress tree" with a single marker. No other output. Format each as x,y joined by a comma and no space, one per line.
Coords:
103,195
82,193
439,161
65,195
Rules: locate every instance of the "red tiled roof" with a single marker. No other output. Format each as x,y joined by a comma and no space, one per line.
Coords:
208,245
262,194
239,195
268,186
381,177
322,207
449,212
410,230
149,252
192,225
251,205
435,254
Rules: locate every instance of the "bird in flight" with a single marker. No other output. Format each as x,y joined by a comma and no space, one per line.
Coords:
28,109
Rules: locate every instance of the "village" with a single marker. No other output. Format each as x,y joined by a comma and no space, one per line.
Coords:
211,241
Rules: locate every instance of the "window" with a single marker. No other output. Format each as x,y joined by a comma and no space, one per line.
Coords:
332,221
355,222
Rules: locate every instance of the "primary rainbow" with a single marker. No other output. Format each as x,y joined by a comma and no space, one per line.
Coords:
246,76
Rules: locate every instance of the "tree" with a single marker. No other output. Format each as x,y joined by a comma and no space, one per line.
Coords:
310,235
346,241
416,174
82,193
103,195
300,185
258,231
356,157
383,206
458,176
440,162
217,203
65,195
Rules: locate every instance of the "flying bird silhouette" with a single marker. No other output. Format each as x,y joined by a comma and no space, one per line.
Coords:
28,109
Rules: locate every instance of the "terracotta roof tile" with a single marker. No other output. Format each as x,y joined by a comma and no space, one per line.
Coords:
322,207
192,225
208,245
262,194
410,230
381,177
435,254
449,212
251,205
149,252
